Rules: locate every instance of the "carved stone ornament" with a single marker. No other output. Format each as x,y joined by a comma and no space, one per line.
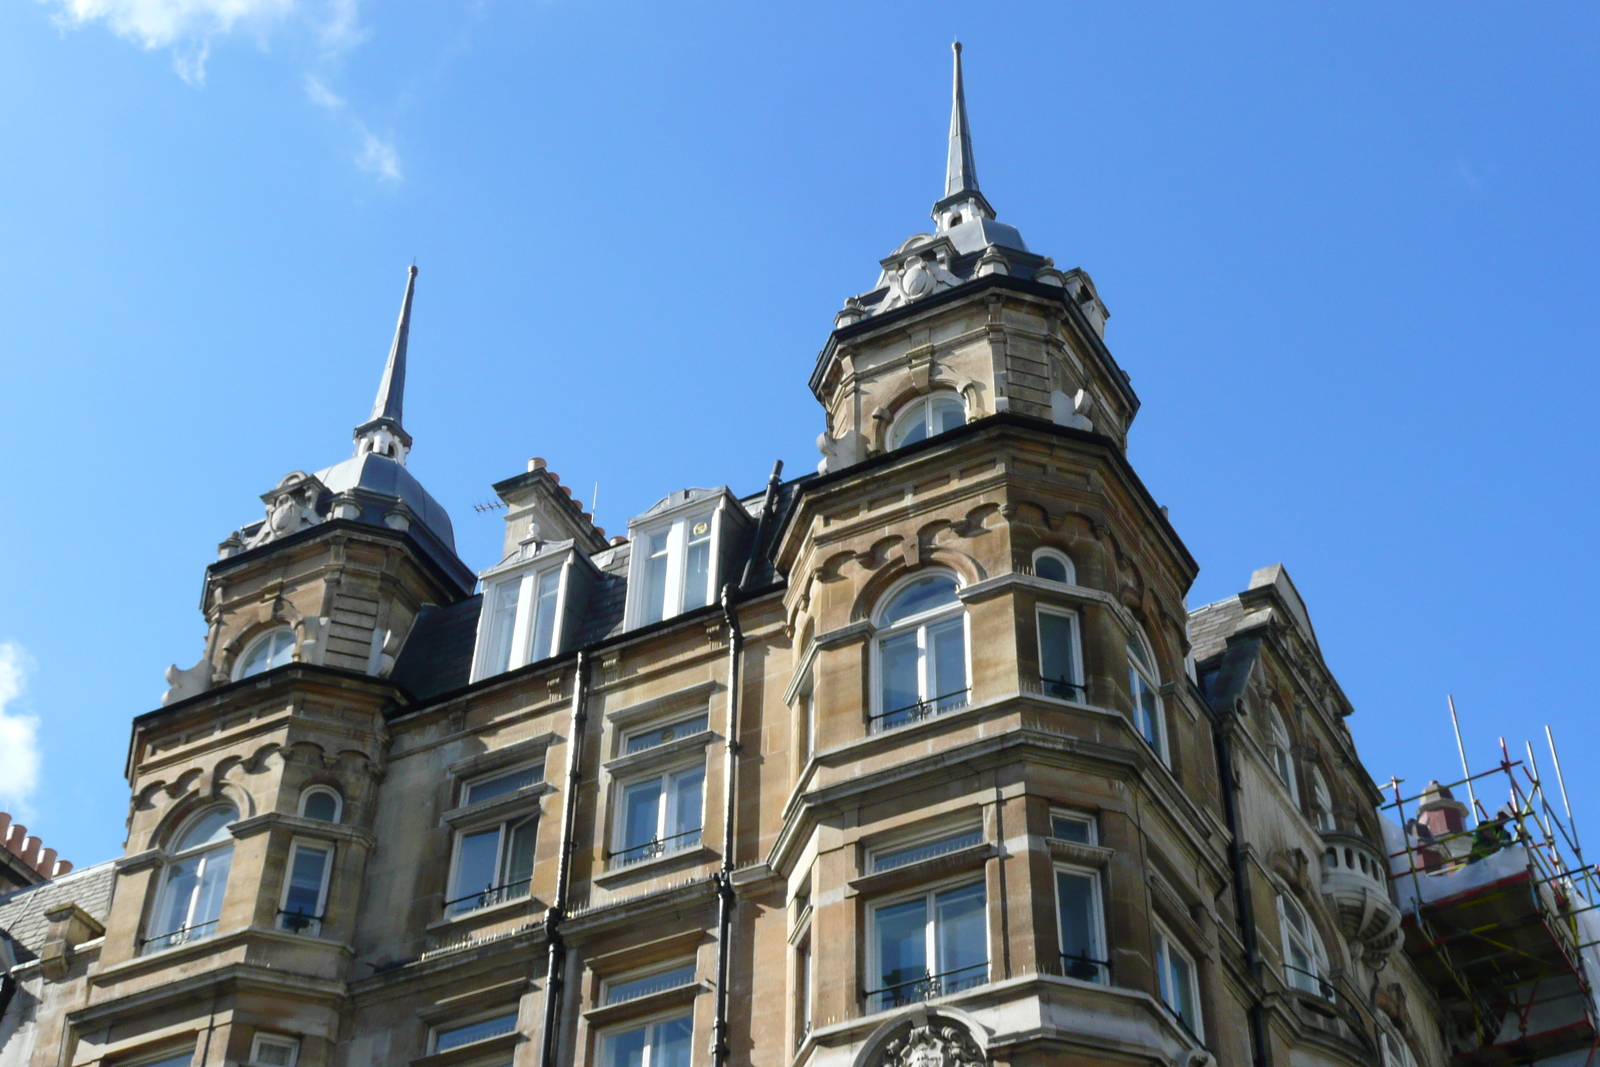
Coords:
291,507
935,1042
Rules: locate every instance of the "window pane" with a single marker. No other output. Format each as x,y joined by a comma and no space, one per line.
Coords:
915,426
1050,569
1182,986
655,577
499,786
475,867
519,859
651,738
684,808
947,646
271,651
305,887
641,808
697,567
898,661
634,988
1080,943
323,807
182,1060
902,947
1136,654
947,413
209,828
672,1043
182,878
213,881
273,1053
1066,828
461,1035
962,937
924,594
501,626
1058,660
900,857
626,1049
544,616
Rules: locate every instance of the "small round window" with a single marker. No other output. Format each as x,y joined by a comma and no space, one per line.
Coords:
320,804
266,652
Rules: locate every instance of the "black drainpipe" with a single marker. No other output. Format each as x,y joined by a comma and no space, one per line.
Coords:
1259,1054
554,979
724,876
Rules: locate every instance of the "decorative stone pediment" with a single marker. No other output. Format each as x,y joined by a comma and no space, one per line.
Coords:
292,505
925,1038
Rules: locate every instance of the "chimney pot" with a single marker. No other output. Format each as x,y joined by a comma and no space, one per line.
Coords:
535,464
30,850
46,861
62,867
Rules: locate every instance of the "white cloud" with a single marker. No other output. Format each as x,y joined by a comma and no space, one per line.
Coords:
19,731
188,27
321,95
378,156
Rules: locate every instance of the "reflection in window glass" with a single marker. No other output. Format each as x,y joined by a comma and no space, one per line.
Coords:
922,653
634,988
928,416
671,732
901,857
321,805
273,650
500,785
1078,906
544,616
655,577
697,569
1079,828
948,928
456,1036
502,625
302,903
1146,702
659,1044
661,815
1175,972
1058,655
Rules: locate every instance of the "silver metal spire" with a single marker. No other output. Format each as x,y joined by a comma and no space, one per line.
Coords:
383,428
961,174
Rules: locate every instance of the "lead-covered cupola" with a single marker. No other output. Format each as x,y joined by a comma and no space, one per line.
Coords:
341,562
971,312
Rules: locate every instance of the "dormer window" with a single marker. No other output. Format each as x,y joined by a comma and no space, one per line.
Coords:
927,416
678,557
528,607
266,652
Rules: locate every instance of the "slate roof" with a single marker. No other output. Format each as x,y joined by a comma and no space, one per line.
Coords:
22,911
1211,624
437,655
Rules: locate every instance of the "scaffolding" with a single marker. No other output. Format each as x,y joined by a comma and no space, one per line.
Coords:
1497,918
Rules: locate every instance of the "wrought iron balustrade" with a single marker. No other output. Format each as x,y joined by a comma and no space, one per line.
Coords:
928,986
656,846
922,709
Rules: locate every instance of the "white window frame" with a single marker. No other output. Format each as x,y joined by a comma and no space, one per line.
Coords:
465,791
1084,818
926,893
314,927
919,624
205,853
440,1029
314,790
1322,804
607,985
281,1040
610,1033
666,722
805,964
1075,684
679,530
1149,674
255,643
1061,557
1097,919
1311,944
519,642
506,825
1281,753
920,409
665,809
1390,1043
163,1059
1167,946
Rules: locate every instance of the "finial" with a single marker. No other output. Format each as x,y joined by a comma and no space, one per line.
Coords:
383,433
961,173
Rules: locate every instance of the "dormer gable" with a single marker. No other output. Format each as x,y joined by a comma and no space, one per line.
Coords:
681,553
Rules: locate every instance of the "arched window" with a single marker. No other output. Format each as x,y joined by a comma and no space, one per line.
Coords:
194,880
1396,1053
266,652
1144,685
926,416
1321,803
1054,566
922,651
321,803
1305,961
1282,758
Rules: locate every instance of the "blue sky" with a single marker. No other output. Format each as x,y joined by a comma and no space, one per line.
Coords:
1349,254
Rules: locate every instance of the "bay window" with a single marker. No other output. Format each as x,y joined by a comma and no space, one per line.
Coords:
1144,686
305,893
192,885
921,651
1305,961
1080,918
929,945
1060,664
659,815
1177,982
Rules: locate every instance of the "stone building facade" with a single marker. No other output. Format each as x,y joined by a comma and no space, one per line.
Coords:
917,759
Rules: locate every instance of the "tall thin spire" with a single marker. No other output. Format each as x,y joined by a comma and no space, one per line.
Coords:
384,425
961,174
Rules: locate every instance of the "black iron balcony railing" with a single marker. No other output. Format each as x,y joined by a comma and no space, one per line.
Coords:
487,897
922,709
1310,982
928,986
1085,968
297,921
1062,689
181,936
656,846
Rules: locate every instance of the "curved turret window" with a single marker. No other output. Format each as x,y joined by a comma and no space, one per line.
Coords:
927,416
922,651
1305,961
266,652
193,882
1282,758
1144,686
